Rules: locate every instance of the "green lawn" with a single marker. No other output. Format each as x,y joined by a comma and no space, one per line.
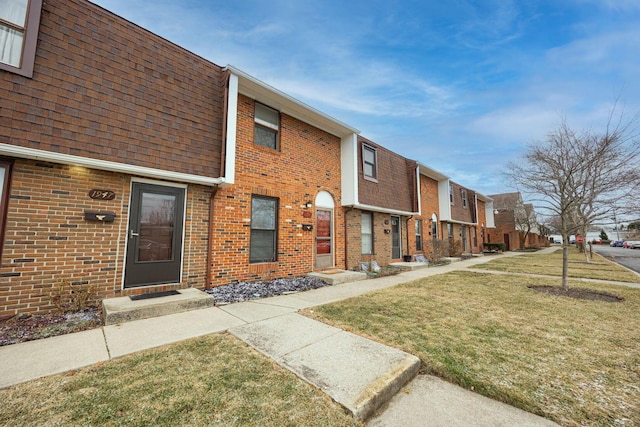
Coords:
214,380
551,264
573,361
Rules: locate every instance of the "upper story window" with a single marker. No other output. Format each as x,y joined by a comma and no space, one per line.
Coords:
463,194
370,162
267,126
19,20
451,193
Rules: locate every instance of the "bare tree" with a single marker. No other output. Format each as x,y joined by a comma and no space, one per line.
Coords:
579,178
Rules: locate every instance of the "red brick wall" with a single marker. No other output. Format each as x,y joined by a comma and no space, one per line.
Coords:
307,162
429,205
47,239
381,240
107,89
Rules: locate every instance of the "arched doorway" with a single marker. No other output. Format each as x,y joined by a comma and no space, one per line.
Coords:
324,244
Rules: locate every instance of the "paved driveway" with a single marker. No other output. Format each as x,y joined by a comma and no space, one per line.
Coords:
630,258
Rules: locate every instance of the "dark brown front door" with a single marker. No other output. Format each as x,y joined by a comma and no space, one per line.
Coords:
506,242
154,249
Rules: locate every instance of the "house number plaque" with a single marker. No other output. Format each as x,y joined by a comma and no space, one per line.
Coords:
102,194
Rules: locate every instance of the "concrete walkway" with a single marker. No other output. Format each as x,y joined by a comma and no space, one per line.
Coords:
359,374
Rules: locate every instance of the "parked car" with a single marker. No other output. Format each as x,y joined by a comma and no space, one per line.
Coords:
634,244
616,243
625,244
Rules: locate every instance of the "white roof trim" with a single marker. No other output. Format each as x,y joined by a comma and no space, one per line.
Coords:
431,173
272,97
68,159
383,210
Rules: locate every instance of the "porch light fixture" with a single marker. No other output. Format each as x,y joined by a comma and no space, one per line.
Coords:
309,204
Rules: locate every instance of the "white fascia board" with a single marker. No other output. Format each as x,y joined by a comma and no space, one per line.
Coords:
419,185
68,159
272,97
432,173
488,210
383,210
454,221
443,200
232,126
349,169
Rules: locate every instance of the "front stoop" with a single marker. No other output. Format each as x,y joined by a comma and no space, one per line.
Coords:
409,266
123,309
336,277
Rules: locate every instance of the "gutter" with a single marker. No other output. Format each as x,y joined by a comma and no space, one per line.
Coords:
68,159
382,210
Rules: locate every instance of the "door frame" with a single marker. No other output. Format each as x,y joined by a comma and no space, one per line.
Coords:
324,201
127,223
399,236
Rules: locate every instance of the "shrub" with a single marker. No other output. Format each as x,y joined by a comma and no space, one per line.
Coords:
495,247
67,297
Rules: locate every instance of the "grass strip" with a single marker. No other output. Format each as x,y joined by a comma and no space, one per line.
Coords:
576,362
208,381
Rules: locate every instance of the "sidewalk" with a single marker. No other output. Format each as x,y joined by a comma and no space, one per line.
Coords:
358,373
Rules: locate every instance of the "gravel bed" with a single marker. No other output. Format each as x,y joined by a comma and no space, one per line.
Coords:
245,291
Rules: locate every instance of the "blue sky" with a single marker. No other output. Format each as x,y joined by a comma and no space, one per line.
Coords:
459,85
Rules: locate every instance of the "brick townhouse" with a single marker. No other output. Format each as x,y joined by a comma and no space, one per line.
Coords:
111,148
283,216
516,223
380,196
455,220
130,165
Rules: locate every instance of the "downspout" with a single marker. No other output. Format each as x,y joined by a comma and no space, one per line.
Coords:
346,240
207,284
225,113
407,234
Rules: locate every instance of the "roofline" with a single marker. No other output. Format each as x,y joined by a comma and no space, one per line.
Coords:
431,173
382,210
262,92
125,168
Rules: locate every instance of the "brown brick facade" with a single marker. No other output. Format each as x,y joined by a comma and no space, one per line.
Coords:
48,240
107,89
381,238
395,187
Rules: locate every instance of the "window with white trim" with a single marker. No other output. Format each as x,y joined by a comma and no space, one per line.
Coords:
418,234
450,230
366,231
19,21
264,229
463,194
267,126
370,162
450,193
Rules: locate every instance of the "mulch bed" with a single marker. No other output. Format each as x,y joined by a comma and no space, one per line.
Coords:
577,293
21,328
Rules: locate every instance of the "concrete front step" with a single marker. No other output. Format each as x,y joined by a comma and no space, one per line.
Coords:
124,309
336,277
409,265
